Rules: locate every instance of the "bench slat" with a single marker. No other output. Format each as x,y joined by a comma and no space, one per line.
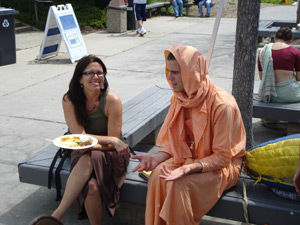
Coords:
142,114
145,113
277,111
264,207
268,28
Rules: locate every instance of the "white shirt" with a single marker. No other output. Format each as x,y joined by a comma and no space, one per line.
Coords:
140,1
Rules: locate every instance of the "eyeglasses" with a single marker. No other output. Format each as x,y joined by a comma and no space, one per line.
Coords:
92,73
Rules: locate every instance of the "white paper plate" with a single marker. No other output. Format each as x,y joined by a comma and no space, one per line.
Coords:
57,141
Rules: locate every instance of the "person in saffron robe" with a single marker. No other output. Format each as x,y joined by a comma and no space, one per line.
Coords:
203,144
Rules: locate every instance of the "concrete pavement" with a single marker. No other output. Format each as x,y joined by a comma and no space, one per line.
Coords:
31,93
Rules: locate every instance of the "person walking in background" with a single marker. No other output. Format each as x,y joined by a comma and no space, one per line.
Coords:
207,3
176,3
203,143
140,15
279,69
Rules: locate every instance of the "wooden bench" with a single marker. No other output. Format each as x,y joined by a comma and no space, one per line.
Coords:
277,111
154,8
35,8
264,207
186,5
267,28
141,116
273,111
150,8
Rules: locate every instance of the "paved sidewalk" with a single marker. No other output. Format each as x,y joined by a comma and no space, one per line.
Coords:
31,94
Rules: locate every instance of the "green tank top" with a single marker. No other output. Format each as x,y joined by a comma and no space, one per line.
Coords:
97,122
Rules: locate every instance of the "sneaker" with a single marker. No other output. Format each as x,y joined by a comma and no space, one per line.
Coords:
207,15
142,31
201,15
138,31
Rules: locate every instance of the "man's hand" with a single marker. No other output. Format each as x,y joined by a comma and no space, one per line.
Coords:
169,175
147,162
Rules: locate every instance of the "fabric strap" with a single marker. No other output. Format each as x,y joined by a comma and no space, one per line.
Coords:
245,198
267,88
63,153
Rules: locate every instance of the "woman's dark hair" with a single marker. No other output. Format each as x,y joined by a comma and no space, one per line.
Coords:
284,33
75,92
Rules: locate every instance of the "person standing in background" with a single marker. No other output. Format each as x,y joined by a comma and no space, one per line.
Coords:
174,3
140,15
207,3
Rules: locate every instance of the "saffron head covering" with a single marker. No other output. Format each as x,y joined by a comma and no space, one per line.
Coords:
196,84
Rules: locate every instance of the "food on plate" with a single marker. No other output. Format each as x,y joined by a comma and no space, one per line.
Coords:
75,141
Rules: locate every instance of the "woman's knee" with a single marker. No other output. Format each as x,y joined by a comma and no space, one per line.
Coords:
93,188
84,165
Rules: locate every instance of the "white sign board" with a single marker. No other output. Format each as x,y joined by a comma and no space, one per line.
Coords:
62,24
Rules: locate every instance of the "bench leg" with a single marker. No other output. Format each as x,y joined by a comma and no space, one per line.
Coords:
36,14
167,10
159,10
293,128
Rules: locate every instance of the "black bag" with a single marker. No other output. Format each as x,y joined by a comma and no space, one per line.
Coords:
63,154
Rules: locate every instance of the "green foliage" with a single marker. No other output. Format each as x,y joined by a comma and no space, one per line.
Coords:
276,1
88,12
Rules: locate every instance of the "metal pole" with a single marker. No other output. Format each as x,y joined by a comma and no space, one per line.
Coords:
36,15
215,31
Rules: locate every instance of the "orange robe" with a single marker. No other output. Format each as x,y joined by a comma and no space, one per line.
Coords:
214,136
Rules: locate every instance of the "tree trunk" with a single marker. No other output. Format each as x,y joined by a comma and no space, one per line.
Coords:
298,14
245,60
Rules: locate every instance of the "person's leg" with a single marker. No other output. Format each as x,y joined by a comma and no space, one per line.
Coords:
200,8
93,203
76,181
140,23
143,18
136,9
174,4
207,9
180,4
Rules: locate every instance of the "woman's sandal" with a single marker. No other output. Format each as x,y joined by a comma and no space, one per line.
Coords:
46,220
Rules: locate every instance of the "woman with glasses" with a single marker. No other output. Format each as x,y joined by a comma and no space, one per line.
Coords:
97,173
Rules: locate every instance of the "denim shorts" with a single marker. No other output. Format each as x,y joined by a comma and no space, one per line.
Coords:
140,11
